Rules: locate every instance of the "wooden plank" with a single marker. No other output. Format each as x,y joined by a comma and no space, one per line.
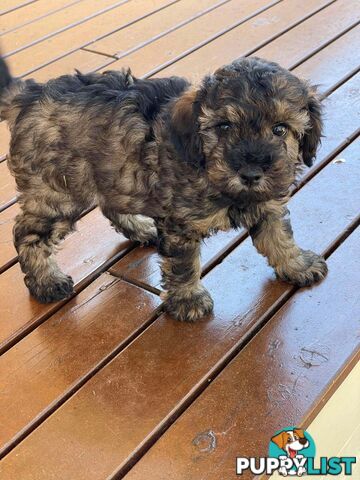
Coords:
274,381
32,12
257,29
8,253
163,367
10,5
7,187
318,29
105,317
84,253
71,39
24,37
336,60
133,38
141,266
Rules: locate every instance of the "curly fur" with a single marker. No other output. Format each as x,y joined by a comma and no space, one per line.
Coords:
166,162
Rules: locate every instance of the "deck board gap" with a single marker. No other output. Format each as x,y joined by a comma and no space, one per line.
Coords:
341,82
328,158
24,4
136,283
324,45
96,52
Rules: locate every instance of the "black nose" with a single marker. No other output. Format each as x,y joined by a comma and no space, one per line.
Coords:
303,441
250,177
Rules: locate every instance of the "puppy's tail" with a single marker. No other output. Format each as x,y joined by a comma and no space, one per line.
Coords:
5,76
9,88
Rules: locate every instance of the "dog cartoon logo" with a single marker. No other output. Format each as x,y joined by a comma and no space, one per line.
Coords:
295,444
292,452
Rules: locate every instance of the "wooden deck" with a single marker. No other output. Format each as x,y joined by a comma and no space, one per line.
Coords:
105,385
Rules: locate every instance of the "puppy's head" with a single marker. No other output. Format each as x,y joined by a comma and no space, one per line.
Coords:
250,125
291,441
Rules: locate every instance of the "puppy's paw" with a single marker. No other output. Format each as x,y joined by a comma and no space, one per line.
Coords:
189,306
283,471
304,270
52,288
301,471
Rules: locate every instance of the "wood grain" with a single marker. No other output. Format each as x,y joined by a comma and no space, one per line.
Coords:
73,342
282,377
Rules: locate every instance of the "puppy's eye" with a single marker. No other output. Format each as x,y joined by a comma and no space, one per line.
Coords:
224,127
280,130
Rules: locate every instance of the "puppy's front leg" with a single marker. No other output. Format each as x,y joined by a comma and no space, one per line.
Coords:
272,236
185,298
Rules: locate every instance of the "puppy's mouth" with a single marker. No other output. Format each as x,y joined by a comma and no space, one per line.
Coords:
292,453
250,186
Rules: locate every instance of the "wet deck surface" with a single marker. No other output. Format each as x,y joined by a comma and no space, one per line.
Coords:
105,385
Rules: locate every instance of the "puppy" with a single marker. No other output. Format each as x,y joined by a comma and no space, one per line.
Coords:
292,442
166,162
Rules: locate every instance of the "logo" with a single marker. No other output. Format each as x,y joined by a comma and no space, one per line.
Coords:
292,453
292,446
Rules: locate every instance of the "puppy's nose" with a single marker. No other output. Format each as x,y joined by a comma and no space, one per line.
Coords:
303,441
250,177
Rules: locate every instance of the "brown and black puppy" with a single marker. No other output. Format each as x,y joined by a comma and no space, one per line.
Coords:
166,162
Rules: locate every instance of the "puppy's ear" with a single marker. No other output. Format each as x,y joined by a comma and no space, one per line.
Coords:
184,129
280,439
311,139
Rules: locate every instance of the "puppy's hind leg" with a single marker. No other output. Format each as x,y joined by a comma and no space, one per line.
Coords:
135,227
35,238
